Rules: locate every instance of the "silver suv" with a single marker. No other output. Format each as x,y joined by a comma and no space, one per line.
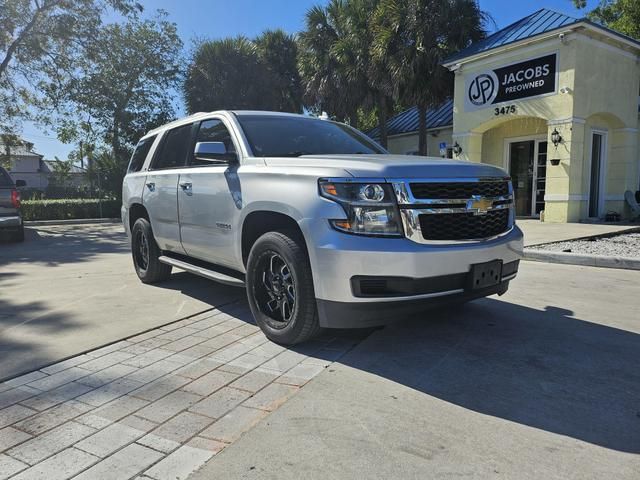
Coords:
323,226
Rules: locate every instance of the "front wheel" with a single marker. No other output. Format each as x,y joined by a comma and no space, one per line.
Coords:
280,288
145,252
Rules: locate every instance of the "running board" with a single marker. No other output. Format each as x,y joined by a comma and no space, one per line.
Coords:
202,271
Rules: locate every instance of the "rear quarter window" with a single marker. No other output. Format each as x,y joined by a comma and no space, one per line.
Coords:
140,154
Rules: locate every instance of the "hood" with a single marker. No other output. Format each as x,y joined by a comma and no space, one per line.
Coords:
392,166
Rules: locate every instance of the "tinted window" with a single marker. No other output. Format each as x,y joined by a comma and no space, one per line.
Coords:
173,151
5,179
213,131
282,136
140,154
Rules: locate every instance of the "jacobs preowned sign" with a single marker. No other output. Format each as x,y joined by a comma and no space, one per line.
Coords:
530,78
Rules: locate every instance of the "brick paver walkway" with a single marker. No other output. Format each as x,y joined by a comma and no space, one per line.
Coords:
155,406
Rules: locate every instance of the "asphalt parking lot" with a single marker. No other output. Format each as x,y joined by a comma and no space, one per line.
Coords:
540,383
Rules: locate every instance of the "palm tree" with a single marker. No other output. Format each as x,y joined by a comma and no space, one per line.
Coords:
278,52
339,73
353,50
413,37
225,74
328,82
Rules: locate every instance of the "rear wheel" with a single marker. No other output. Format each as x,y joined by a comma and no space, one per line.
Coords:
280,288
145,252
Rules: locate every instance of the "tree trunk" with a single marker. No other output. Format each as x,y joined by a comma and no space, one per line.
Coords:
422,130
26,31
382,119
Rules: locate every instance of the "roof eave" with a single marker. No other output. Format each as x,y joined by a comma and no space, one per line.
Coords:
581,24
508,46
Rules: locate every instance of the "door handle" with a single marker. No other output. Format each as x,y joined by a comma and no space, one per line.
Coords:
151,186
187,187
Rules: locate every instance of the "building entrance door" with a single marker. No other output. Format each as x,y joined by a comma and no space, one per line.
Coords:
528,169
596,187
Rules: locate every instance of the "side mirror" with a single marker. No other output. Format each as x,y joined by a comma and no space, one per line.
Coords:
214,152
21,183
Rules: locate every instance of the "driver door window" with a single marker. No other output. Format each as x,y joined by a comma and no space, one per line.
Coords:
213,130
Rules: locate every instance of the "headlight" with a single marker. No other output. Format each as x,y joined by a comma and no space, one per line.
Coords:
370,207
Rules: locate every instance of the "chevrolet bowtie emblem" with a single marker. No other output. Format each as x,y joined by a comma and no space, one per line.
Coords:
479,205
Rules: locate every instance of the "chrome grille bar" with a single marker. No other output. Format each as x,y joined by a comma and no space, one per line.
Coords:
411,208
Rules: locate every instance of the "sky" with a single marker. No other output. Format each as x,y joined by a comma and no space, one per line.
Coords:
222,18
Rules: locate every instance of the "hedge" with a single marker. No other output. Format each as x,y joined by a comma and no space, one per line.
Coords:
69,208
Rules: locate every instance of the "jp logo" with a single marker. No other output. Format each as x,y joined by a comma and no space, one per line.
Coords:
483,89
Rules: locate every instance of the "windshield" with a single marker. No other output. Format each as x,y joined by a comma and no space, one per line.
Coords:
282,136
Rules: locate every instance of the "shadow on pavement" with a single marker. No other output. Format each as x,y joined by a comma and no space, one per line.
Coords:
543,369
56,244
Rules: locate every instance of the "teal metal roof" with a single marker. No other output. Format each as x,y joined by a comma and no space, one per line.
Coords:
544,20
407,121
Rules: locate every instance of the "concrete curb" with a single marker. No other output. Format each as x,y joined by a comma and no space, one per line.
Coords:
77,221
626,263
631,229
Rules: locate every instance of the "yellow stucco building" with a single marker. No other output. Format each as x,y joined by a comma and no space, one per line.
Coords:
554,101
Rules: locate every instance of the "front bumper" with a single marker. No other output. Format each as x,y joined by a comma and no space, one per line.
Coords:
372,314
337,257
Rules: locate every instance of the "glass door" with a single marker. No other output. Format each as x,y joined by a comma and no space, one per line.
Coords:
541,176
528,170
521,155
596,187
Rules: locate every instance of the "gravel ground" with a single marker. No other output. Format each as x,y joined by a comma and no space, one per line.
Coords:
625,245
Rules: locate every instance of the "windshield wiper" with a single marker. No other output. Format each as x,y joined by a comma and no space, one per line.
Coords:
297,153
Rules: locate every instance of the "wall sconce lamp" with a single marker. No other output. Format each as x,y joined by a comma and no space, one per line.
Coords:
556,139
457,149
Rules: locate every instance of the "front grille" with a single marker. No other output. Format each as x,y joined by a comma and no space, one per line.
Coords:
459,190
464,226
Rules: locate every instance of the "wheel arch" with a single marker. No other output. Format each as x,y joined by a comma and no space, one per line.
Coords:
259,222
136,211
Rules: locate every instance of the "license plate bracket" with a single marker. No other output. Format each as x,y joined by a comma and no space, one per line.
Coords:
487,274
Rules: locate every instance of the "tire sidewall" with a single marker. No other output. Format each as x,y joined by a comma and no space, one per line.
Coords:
141,226
265,245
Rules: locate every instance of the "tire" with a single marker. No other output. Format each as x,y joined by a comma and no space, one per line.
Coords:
285,254
145,253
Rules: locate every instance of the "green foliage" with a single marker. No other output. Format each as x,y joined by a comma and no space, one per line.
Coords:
7,142
62,173
329,85
278,52
106,173
413,37
66,209
40,42
620,15
238,73
122,87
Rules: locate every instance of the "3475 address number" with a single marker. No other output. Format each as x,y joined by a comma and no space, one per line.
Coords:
506,110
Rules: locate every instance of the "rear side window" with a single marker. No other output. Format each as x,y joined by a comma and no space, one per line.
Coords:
5,179
140,154
173,151
213,131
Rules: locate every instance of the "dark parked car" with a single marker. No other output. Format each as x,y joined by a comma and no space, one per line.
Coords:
10,218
